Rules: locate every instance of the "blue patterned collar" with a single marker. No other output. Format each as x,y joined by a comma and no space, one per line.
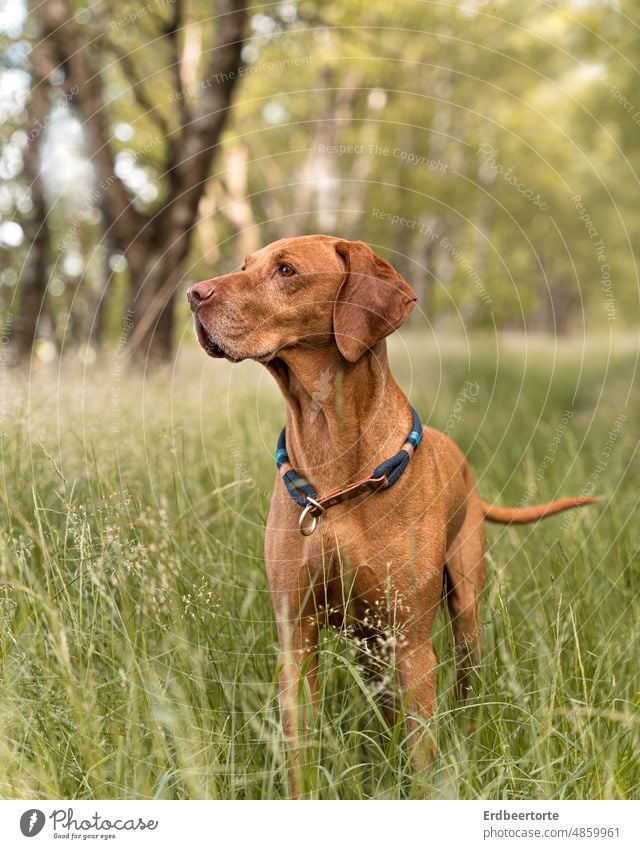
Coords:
385,475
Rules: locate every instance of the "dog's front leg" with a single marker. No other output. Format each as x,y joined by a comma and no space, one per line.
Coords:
298,666
294,576
417,673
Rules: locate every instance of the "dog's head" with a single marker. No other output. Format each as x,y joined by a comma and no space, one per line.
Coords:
310,292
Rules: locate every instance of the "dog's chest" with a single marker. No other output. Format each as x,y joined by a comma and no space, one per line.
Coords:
373,542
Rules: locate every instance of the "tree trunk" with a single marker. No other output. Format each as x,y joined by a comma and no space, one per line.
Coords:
424,249
35,277
155,280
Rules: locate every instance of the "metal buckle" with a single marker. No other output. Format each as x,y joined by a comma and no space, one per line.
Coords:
315,510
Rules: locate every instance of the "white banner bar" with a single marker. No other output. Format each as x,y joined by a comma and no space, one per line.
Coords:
318,825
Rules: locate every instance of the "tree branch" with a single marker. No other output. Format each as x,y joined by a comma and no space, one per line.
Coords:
202,134
73,54
172,32
138,91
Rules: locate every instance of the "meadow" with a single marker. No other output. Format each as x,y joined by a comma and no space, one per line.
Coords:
137,642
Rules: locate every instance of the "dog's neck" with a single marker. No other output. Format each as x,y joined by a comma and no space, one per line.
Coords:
343,419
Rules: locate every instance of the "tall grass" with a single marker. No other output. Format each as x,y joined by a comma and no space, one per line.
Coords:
137,644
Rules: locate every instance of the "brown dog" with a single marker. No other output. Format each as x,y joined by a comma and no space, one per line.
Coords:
316,310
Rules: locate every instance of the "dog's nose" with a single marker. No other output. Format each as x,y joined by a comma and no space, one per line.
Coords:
199,293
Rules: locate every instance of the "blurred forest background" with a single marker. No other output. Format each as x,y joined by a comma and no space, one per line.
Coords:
488,150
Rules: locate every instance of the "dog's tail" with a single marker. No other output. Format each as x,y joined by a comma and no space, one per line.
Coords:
524,515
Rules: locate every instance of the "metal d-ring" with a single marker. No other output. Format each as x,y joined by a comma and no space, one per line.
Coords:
316,510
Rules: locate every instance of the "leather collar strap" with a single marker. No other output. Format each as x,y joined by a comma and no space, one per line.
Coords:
385,475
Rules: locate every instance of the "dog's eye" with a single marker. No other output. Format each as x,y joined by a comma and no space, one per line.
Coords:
286,270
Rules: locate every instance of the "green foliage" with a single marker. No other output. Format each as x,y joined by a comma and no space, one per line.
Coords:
137,645
414,105
454,118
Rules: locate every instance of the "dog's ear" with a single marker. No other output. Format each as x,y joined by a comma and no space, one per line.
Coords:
373,301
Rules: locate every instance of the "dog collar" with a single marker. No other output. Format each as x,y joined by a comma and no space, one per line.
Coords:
304,494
